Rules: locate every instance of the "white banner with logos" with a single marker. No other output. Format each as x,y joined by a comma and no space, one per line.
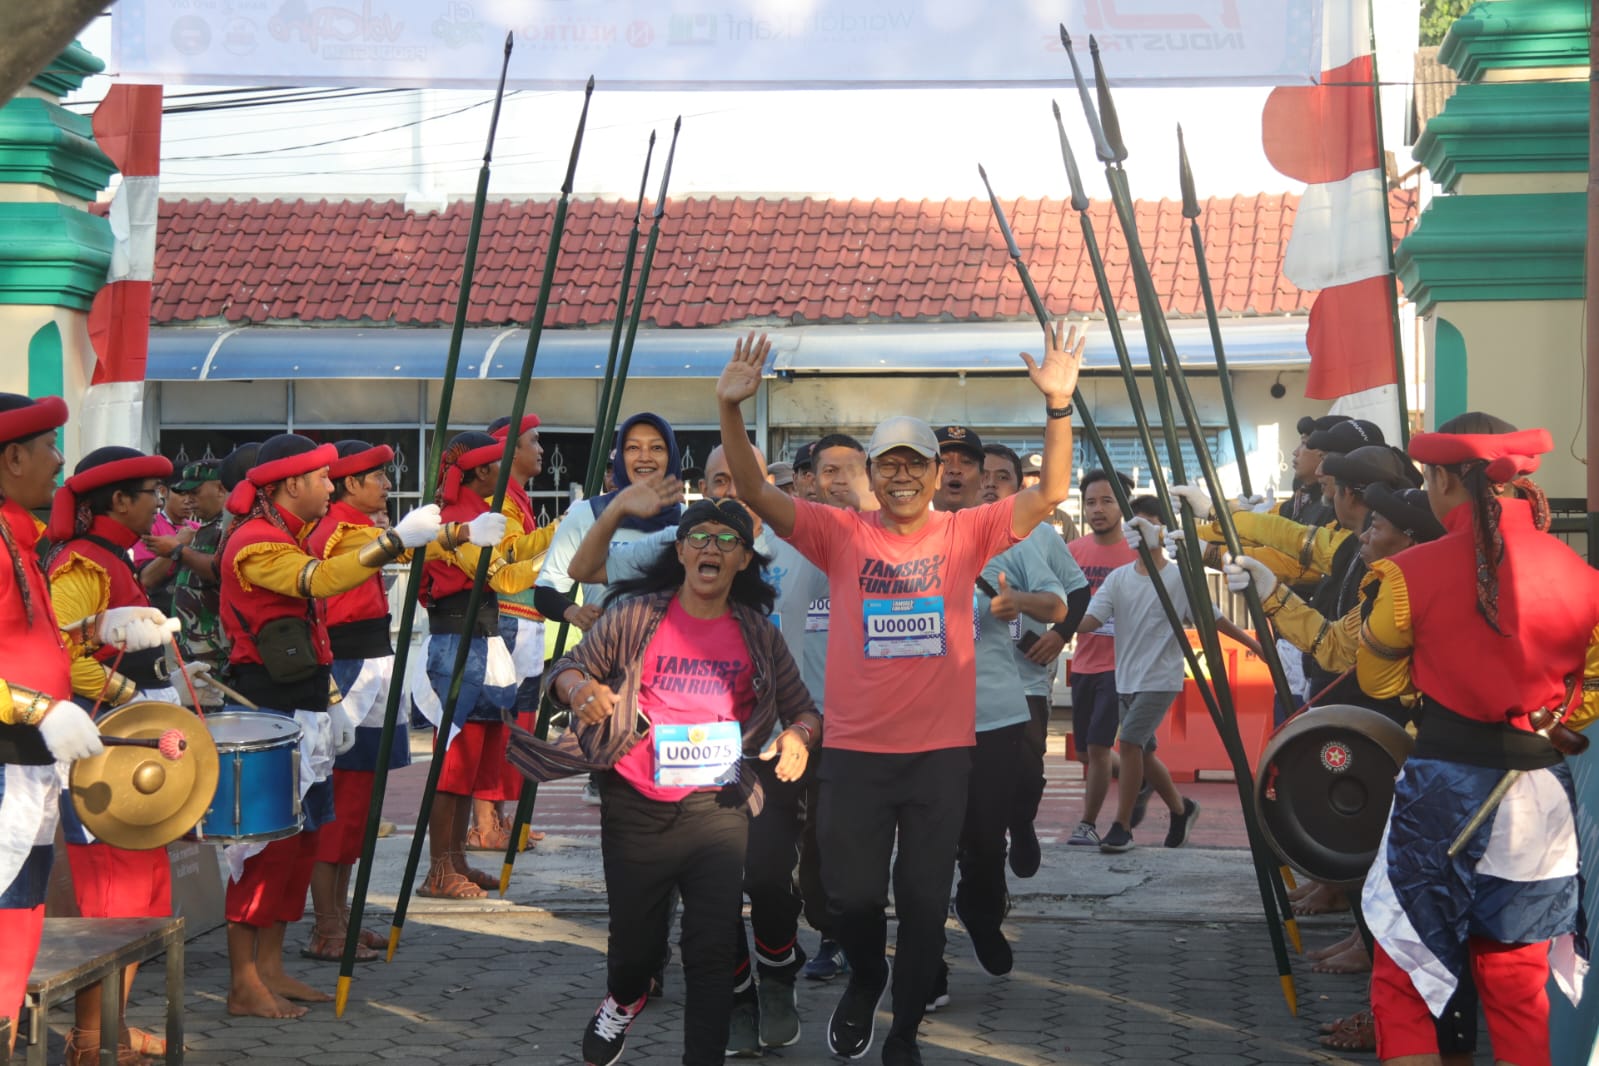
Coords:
713,44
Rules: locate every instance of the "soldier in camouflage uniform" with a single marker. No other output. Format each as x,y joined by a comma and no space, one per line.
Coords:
195,597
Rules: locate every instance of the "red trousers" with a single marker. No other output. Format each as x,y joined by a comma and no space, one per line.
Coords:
509,787
112,882
473,760
1511,981
275,882
20,930
339,841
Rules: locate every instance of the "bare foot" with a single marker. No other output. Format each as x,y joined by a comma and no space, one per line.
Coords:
1334,949
1355,960
1324,900
257,1001
290,988
1303,889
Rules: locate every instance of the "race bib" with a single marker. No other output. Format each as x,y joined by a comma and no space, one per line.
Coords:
901,629
1016,629
816,614
698,756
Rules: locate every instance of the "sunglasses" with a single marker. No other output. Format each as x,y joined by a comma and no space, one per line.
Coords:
725,542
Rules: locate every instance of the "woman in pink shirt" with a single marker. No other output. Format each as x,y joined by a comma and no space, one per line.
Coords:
689,676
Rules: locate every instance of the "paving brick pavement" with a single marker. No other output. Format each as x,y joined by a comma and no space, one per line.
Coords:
518,985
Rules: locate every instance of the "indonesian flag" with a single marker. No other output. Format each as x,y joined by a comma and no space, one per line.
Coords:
1326,136
127,127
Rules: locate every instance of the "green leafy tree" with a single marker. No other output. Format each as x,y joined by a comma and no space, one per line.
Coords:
1438,15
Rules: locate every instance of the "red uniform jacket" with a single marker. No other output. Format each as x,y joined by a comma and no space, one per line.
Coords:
33,656
246,610
358,620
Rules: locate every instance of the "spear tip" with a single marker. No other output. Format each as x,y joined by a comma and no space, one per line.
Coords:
1065,38
510,35
677,126
982,173
1054,105
652,138
1093,46
588,90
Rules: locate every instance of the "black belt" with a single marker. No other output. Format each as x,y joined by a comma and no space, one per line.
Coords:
448,615
1444,734
366,639
256,685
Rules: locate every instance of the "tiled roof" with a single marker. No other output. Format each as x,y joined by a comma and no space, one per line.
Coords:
1435,84
721,261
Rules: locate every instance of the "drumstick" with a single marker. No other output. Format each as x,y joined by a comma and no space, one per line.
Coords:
232,694
171,743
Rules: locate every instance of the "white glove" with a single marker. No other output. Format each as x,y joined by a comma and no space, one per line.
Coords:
1196,498
343,729
419,527
136,628
486,530
191,674
1140,531
69,732
1173,541
1243,571
1257,503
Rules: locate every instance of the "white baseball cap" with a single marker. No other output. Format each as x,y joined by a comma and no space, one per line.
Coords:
903,431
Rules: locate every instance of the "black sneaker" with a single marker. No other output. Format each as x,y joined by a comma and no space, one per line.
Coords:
1141,805
1182,824
898,1051
989,945
606,1035
939,997
1119,839
1025,854
854,1020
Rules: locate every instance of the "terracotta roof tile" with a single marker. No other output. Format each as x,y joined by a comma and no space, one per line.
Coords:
720,260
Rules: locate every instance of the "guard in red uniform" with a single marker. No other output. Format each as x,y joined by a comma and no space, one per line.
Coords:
1492,624
39,725
522,628
477,737
97,517
268,576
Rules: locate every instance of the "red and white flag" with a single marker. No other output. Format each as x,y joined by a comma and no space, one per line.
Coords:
1326,136
127,127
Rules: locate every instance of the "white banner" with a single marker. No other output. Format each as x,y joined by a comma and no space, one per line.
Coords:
712,44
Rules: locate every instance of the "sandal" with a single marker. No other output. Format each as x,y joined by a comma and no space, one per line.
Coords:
329,947
487,839
147,1043
1358,1032
83,1049
444,883
486,881
368,937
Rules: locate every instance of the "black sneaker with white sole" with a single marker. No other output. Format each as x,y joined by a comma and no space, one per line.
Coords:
854,1020
1120,838
939,997
606,1035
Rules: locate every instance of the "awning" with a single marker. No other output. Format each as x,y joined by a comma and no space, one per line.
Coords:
253,353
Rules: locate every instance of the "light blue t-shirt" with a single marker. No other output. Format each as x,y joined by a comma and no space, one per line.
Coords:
577,521
1039,680
1001,699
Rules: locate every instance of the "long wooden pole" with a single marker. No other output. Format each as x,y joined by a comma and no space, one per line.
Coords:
429,474
441,739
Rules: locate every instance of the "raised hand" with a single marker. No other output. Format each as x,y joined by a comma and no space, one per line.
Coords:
649,496
1056,377
741,377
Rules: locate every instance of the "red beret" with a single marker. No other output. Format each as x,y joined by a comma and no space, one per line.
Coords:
291,456
361,462
528,422
31,419
1509,455
101,467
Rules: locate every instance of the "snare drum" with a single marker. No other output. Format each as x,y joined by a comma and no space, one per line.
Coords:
258,779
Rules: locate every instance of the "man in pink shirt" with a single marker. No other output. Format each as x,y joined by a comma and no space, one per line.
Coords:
159,553
901,682
1093,677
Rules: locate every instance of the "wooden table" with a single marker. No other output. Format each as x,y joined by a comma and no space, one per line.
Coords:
77,952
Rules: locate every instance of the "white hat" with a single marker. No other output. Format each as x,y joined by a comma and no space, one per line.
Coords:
903,431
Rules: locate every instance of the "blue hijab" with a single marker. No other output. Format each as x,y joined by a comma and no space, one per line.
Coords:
668,518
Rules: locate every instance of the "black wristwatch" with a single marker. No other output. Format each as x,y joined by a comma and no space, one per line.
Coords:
1059,412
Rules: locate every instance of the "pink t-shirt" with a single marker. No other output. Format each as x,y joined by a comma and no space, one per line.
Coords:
696,671
161,527
901,665
1096,652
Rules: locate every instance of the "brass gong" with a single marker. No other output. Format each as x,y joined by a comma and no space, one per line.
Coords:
135,797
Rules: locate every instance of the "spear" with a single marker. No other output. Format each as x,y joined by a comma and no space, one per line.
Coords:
1080,202
402,647
604,426
475,597
1112,152
1145,551
1185,177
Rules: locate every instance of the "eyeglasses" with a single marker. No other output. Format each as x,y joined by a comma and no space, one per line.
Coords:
725,542
892,468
